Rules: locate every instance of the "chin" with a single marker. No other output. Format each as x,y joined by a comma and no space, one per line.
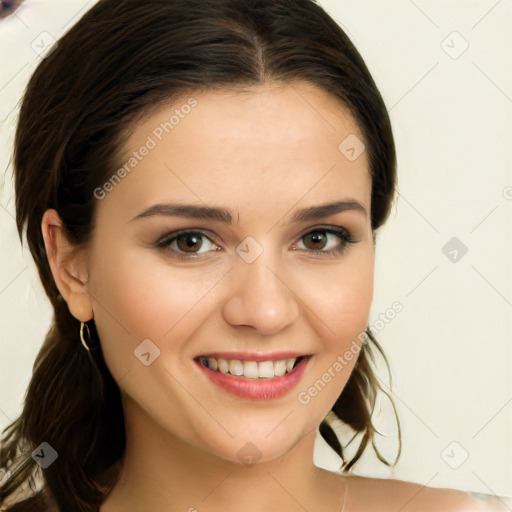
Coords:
262,443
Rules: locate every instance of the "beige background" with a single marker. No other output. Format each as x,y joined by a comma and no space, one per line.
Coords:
450,348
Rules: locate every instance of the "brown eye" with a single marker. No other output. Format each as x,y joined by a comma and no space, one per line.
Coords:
189,242
317,239
328,242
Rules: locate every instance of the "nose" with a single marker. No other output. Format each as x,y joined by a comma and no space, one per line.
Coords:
260,297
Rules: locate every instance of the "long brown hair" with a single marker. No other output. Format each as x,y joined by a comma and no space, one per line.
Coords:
117,64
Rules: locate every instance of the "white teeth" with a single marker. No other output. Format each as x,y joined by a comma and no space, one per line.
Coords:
279,368
266,369
236,367
250,369
223,366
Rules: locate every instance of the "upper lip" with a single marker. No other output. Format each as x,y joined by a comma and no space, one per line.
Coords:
254,356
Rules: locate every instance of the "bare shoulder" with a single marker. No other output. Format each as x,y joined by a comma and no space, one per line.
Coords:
383,495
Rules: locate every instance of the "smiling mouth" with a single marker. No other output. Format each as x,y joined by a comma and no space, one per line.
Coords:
251,369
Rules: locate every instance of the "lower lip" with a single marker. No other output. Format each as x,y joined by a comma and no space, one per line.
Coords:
257,389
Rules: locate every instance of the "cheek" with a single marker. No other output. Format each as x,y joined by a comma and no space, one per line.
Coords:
136,297
340,298
349,314
341,303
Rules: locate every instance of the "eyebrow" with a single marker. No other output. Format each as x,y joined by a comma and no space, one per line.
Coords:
225,215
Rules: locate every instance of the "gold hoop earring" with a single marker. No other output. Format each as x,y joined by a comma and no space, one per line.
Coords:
82,335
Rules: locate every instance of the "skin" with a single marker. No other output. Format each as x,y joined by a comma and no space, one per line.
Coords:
264,154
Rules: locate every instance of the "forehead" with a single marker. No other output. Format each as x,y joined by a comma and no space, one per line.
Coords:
227,145
271,114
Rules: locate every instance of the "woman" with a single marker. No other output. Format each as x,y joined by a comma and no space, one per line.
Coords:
201,183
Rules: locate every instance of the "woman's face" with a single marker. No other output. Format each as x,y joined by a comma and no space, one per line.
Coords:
276,281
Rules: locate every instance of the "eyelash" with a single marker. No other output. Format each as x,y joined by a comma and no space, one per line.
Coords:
165,242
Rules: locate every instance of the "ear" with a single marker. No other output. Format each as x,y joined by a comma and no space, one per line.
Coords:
68,266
